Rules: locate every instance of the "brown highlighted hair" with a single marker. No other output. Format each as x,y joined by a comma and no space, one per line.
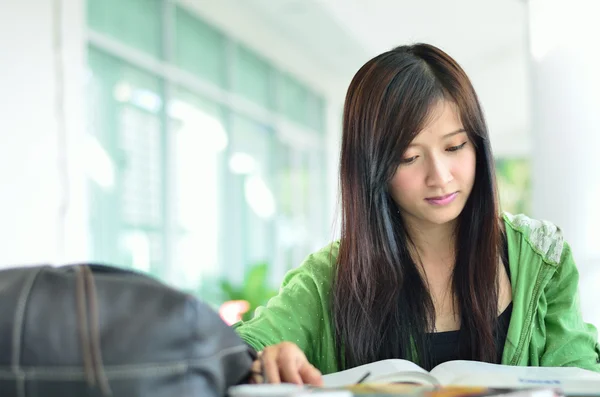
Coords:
380,303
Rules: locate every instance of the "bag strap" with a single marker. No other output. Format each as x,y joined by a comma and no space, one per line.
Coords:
88,326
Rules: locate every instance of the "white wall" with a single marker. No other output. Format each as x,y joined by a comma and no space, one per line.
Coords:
32,229
565,102
492,51
506,106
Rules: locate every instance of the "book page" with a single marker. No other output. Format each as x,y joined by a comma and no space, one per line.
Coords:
473,373
393,370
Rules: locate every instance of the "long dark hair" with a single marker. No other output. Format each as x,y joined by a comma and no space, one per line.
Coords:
381,305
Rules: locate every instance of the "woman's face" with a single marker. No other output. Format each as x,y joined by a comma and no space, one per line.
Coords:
436,175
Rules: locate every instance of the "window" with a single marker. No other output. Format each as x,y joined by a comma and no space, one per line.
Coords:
126,162
186,183
293,98
252,205
198,147
136,23
252,78
199,48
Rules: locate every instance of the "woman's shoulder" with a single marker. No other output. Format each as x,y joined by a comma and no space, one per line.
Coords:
542,237
319,265
326,256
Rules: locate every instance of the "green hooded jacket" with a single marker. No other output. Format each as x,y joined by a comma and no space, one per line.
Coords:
546,327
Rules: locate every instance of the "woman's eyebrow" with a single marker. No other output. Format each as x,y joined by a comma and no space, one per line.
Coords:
448,135
454,133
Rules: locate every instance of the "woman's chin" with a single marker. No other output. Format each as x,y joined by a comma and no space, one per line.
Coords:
442,216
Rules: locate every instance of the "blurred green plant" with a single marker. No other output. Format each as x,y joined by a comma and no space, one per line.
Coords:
514,184
255,288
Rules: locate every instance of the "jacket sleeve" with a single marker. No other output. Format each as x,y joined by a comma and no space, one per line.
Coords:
569,340
296,314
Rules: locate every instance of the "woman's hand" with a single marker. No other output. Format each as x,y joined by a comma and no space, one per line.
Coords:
285,363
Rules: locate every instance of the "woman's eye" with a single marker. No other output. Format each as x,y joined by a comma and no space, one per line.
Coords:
409,160
455,148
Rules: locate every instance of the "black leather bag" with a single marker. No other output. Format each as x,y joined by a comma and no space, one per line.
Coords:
93,330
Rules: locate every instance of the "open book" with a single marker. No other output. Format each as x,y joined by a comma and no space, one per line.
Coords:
572,381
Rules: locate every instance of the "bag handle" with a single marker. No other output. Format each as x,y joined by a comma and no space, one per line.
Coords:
89,329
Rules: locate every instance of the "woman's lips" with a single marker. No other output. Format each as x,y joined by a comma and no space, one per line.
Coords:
443,200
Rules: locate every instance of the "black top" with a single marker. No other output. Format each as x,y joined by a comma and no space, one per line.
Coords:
444,345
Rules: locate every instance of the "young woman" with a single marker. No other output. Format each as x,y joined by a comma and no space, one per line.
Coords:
427,268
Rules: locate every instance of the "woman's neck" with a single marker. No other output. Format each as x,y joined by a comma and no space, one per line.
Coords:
434,244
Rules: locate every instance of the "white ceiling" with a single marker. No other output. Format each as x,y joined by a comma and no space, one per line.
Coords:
487,37
335,37
345,33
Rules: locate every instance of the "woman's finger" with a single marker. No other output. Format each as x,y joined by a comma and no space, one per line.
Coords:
288,367
269,365
256,369
310,375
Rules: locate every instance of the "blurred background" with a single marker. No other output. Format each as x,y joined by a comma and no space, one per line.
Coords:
198,140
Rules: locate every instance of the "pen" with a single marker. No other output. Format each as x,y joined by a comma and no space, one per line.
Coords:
364,377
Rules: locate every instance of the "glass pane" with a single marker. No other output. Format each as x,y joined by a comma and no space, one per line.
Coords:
136,23
102,154
252,201
293,99
199,141
125,167
315,110
251,77
317,198
302,215
283,170
199,48
286,204
140,146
